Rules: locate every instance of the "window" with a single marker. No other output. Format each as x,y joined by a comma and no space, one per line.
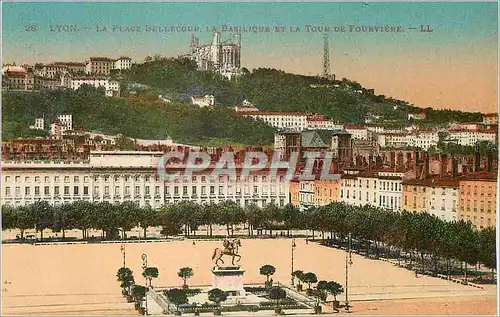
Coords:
56,191
37,179
117,190
203,192
75,190
212,190
137,190
117,178
66,190
46,190
66,179
146,178
176,190
26,179
76,179
193,190
26,191
157,190
106,190
7,179
146,190
193,179
7,191
96,190
221,190
46,179
18,179
127,190
85,179
85,190
203,179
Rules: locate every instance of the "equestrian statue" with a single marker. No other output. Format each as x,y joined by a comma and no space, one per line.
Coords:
230,248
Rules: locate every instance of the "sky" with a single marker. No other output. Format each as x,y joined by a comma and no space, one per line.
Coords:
455,66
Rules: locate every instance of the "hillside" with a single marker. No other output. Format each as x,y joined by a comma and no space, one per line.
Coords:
136,116
143,115
344,101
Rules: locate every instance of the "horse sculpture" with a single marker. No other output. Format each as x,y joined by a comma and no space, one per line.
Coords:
230,248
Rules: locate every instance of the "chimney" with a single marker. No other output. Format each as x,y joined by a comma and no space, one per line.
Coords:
477,162
427,165
454,167
443,166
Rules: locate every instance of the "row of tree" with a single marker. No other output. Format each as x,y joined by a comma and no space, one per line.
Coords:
417,233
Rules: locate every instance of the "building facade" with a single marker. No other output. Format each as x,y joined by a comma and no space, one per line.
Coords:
478,197
116,177
111,87
99,66
294,121
123,63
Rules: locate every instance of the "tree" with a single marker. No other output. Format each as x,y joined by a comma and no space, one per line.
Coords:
43,215
277,293
122,273
149,273
138,293
299,275
331,287
267,270
177,297
217,296
185,273
310,278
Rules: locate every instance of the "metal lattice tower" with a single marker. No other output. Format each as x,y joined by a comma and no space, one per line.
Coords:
326,57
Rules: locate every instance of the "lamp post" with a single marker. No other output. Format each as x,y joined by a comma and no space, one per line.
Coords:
122,247
348,263
144,266
293,247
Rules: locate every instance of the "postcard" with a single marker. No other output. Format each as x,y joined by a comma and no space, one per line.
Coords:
249,158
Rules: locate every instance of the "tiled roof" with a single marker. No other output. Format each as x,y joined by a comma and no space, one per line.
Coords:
433,182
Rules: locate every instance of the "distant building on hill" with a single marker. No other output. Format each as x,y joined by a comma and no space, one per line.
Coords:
490,118
203,101
222,57
417,116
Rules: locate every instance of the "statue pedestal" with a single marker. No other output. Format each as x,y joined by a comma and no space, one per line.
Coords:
229,279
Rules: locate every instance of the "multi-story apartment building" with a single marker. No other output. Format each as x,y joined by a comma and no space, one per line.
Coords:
318,122
123,62
99,66
357,132
132,176
393,139
423,139
295,121
490,118
436,196
306,193
471,137
294,192
478,196
327,191
111,87
382,188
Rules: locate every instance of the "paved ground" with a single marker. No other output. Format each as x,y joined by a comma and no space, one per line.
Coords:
80,279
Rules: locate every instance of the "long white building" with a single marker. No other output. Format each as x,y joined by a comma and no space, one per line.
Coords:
283,120
112,87
132,176
381,189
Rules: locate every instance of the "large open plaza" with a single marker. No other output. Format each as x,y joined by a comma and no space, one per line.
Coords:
79,279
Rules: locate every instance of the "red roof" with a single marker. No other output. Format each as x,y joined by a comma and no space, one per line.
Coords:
106,59
355,127
125,57
273,113
433,182
478,176
490,115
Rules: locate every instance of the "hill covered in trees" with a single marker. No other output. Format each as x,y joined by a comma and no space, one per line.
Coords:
136,116
343,100
144,115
